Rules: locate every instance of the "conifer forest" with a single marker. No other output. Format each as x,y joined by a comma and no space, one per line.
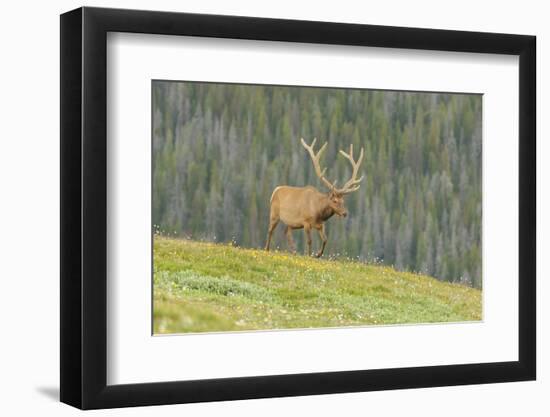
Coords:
219,150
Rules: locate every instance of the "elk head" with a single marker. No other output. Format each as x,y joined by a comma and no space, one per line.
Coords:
336,195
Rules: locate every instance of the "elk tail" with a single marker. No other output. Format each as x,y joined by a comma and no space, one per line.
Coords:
273,194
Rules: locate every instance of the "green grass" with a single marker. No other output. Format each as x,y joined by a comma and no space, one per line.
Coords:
207,287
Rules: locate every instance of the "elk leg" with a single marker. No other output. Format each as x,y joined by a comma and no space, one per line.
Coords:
323,239
273,222
291,246
307,231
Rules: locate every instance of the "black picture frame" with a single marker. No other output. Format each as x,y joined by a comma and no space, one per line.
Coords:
84,207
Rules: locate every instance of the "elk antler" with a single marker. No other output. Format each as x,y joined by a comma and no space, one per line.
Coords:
315,159
353,183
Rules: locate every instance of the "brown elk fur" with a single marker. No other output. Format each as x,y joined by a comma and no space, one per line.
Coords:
306,207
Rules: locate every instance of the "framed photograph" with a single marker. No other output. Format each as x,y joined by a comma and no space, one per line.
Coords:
259,208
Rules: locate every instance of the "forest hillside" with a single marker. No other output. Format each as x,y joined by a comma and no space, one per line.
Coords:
219,150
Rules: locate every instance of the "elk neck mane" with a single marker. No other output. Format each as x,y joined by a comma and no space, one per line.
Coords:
326,212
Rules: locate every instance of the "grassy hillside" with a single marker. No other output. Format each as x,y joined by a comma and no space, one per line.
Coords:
204,287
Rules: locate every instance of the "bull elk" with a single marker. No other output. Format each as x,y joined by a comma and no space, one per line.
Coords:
306,207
